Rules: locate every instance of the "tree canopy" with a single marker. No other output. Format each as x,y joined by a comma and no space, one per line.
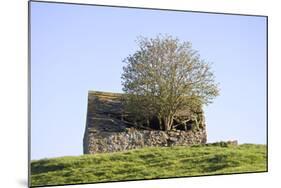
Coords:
164,76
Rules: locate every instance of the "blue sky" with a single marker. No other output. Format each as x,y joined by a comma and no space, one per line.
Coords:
77,48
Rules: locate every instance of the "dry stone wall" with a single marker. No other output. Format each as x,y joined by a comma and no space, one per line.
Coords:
133,139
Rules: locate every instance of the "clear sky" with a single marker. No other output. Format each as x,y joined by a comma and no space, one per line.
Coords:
76,48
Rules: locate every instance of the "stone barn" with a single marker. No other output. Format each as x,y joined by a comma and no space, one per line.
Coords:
107,130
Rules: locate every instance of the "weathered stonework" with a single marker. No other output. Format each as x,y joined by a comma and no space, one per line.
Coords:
106,131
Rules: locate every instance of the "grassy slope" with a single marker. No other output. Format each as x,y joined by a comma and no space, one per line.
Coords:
149,163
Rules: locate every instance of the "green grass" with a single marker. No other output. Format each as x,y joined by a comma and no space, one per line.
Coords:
149,163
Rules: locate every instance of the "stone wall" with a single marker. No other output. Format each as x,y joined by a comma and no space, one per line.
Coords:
132,139
106,133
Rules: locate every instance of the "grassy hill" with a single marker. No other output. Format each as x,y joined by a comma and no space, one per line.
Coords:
150,163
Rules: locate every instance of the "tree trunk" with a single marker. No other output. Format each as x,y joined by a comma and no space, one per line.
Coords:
168,122
160,122
147,123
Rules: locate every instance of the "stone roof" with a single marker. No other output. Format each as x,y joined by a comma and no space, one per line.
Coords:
104,102
104,110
